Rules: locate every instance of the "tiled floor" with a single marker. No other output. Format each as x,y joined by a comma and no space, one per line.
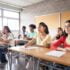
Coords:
18,64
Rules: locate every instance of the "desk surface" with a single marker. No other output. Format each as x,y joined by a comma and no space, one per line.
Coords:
40,52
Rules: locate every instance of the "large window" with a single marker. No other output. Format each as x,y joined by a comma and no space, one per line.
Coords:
0,20
0,12
11,14
10,19
0,23
13,24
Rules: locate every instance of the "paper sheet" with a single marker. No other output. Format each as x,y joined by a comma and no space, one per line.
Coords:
55,53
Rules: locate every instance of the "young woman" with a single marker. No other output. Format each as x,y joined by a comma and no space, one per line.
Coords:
6,39
65,39
60,33
43,38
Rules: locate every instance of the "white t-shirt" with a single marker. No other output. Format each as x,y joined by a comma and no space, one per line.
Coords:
9,37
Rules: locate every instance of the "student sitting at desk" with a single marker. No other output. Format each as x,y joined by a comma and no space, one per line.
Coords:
24,33
43,38
32,34
22,38
59,34
65,40
27,36
5,41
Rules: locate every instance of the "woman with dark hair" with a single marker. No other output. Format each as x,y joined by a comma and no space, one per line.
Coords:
5,41
32,33
43,38
59,33
6,29
65,39
7,35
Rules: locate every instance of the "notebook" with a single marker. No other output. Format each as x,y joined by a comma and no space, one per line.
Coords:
56,53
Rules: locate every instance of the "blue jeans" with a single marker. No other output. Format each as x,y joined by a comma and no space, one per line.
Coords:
2,55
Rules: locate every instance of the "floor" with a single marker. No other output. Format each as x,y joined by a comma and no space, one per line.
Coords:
17,64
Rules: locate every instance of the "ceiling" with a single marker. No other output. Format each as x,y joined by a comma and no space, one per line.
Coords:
19,3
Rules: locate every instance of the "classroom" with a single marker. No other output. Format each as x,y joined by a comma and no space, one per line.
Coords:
34,34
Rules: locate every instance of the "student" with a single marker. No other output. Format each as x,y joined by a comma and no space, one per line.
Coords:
43,38
65,39
24,33
60,33
6,39
22,37
32,33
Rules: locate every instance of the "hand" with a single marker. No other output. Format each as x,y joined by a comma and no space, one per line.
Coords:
26,46
61,49
68,49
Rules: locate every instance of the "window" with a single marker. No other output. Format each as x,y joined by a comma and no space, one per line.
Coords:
10,19
5,23
13,24
11,14
0,23
0,12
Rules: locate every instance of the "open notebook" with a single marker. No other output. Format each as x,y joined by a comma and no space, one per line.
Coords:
56,53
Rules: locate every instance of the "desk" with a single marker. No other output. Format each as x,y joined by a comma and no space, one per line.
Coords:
20,41
40,54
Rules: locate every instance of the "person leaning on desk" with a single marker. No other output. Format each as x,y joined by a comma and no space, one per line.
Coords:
5,40
65,39
43,39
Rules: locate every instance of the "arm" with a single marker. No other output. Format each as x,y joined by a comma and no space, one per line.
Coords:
30,43
68,49
61,49
57,43
45,42
10,38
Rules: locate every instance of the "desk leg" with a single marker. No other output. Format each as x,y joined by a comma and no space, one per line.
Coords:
33,64
28,62
10,61
36,64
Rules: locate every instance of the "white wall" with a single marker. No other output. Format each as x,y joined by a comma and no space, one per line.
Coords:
48,6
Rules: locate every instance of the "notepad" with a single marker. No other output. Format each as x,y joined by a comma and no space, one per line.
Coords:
55,53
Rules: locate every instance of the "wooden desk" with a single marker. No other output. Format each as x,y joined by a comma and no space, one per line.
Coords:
40,54
17,41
